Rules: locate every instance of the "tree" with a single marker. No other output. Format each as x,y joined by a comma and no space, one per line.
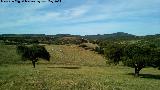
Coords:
99,50
136,56
33,53
113,53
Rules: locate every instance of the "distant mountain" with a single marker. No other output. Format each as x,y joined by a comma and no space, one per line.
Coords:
152,36
38,35
114,35
22,35
119,35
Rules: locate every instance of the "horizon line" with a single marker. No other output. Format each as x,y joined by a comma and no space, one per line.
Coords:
73,34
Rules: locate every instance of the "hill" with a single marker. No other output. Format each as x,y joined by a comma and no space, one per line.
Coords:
108,36
74,55
60,54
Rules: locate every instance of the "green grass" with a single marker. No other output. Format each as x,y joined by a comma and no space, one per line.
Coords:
71,68
8,55
59,77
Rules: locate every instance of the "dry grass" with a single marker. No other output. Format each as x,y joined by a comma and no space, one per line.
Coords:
73,55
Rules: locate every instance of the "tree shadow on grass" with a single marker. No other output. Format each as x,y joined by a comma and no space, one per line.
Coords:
66,67
149,76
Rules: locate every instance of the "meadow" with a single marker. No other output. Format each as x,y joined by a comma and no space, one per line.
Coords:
71,68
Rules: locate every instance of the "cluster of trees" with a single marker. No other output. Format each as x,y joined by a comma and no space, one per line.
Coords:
33,53
69,40
134,51
133,55
42,40
137,52
24,40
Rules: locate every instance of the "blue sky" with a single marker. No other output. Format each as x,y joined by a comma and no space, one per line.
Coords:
140,17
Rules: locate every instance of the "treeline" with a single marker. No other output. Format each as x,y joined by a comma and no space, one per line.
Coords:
59,39
62,39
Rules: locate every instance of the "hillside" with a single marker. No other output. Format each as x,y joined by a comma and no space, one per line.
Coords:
74,55
60,54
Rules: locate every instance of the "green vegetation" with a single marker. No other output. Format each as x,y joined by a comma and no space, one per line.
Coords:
68,77
33,53
80,62
8,55
78,69
133,55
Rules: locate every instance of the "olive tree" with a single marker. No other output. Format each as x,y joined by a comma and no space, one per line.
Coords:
33,53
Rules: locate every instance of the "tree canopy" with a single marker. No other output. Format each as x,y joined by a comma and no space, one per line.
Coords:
33,53
134,55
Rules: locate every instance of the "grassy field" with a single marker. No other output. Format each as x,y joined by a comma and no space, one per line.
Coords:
71,68
8,55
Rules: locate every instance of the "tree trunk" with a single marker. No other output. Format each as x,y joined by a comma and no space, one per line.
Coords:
33,62
136,72
137,69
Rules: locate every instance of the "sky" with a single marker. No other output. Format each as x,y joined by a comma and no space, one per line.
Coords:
81,17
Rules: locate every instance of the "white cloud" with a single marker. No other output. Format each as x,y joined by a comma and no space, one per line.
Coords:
91,11
77,11
40,18
31,19
35,16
